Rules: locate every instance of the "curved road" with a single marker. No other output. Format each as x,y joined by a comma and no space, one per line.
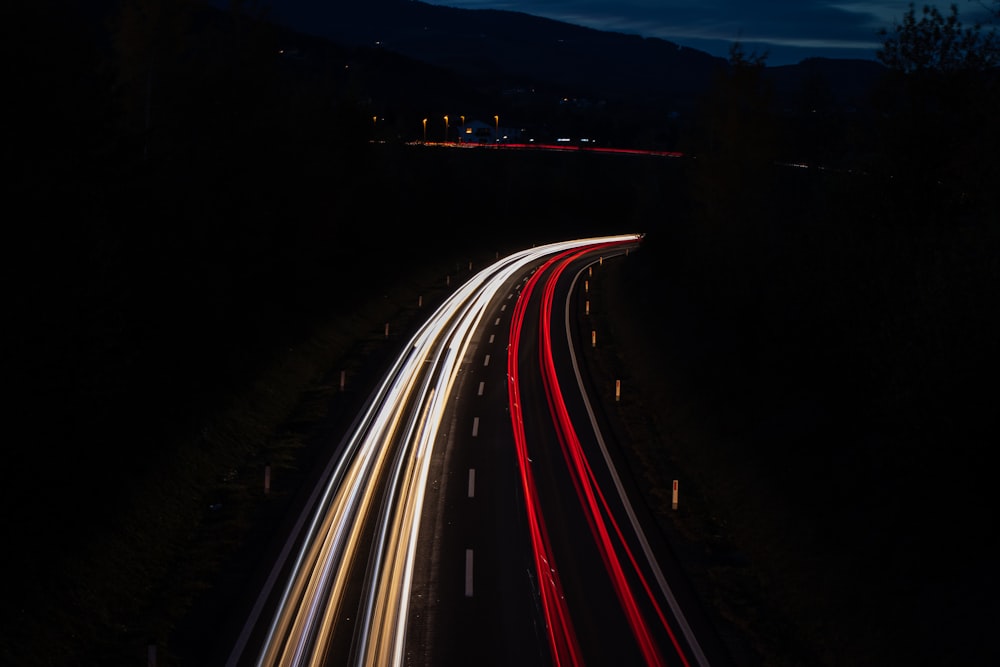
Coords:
474,515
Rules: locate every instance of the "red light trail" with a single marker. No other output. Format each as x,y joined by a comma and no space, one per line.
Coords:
605,529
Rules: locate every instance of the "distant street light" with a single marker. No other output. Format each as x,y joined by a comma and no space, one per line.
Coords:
446,129
496,133
425,130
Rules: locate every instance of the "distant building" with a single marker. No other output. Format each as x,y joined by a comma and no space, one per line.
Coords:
478,132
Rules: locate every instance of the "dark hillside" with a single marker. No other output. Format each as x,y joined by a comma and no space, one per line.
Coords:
511,47
823,84
503,51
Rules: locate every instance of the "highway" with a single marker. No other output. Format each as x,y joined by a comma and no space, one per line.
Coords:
474,514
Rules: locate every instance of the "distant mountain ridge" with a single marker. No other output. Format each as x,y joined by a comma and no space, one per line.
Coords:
519,49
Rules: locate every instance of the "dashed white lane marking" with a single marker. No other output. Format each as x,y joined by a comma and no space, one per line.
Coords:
481,386
468,573
472,482
475,427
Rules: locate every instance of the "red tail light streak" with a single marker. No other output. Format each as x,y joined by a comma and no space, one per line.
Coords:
621,564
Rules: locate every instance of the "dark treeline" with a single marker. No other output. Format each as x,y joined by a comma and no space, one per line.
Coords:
186,193
840,321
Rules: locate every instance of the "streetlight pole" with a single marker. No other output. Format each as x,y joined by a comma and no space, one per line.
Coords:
425,130
496,132
446,129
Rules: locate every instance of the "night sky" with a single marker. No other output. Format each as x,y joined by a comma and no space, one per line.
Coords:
787,30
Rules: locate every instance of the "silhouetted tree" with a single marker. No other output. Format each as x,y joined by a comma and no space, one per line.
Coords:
733,154
738,101
941,108
937,43
927,265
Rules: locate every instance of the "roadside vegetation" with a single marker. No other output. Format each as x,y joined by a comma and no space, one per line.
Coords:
818,347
